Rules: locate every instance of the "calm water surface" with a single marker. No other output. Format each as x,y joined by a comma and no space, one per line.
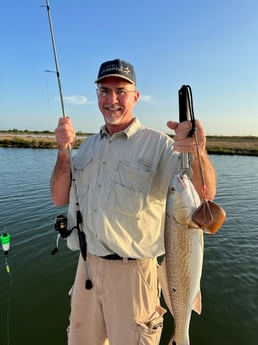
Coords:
39,305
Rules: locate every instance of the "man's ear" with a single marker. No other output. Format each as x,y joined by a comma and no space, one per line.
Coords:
136,96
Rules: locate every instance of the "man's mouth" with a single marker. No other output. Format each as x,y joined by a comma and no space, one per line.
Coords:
113,107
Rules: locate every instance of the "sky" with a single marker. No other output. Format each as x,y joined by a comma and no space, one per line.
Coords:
211,45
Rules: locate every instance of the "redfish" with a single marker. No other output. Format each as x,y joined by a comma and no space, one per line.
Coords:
181,269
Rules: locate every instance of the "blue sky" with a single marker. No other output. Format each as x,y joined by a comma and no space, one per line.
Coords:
210,45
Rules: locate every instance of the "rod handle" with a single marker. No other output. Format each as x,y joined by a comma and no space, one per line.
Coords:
184,113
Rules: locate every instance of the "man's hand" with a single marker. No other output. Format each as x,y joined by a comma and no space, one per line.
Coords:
182,142
65,133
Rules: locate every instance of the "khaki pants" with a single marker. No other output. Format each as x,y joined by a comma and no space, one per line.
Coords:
122,307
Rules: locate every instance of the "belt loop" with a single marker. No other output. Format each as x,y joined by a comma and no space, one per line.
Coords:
125,261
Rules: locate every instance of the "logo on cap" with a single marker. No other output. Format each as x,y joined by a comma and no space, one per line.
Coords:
117,68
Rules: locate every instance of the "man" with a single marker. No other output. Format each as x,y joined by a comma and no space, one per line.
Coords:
121,178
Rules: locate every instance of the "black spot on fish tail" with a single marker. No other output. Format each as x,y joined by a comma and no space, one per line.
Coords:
174,290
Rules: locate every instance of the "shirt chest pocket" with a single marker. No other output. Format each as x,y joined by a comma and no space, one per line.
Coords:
137,179
129,190
82,170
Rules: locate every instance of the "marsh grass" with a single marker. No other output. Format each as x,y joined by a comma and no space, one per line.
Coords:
224,145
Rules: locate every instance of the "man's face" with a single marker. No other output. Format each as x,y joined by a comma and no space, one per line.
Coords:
116,99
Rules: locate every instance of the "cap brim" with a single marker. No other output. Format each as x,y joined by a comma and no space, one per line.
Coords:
115,75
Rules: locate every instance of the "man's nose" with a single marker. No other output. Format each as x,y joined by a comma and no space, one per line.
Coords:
112,96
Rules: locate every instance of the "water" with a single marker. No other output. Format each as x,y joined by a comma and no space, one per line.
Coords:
39,304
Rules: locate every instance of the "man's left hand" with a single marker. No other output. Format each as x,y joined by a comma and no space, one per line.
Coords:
184,143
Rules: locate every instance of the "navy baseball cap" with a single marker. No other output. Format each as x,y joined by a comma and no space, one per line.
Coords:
117,68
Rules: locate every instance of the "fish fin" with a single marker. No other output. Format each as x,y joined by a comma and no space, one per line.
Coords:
197,304
162,275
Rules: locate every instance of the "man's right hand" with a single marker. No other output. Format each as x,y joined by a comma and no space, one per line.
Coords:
65,133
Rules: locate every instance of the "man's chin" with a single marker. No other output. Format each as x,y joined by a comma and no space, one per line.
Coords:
113,120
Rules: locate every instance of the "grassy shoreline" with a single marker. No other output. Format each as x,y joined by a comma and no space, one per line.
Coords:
223,145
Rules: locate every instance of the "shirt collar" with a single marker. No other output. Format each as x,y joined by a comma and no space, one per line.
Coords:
127,132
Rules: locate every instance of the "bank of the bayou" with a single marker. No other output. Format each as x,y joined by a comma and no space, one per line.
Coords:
229,145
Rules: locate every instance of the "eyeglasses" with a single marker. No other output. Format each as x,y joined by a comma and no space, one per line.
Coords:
104,92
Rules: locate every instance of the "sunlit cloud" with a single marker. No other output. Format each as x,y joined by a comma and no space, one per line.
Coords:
75,100
82,100
145,98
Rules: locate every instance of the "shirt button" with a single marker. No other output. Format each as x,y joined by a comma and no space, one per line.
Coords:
104,162
99,185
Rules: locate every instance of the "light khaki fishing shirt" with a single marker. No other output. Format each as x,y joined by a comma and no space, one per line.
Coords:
122,183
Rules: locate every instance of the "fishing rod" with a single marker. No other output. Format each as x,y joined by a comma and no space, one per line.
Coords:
5,240
61,220
55,57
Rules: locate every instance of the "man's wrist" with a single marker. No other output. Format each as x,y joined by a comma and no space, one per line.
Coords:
63,151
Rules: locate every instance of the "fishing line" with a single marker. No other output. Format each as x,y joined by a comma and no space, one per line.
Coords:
63,231
5,240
